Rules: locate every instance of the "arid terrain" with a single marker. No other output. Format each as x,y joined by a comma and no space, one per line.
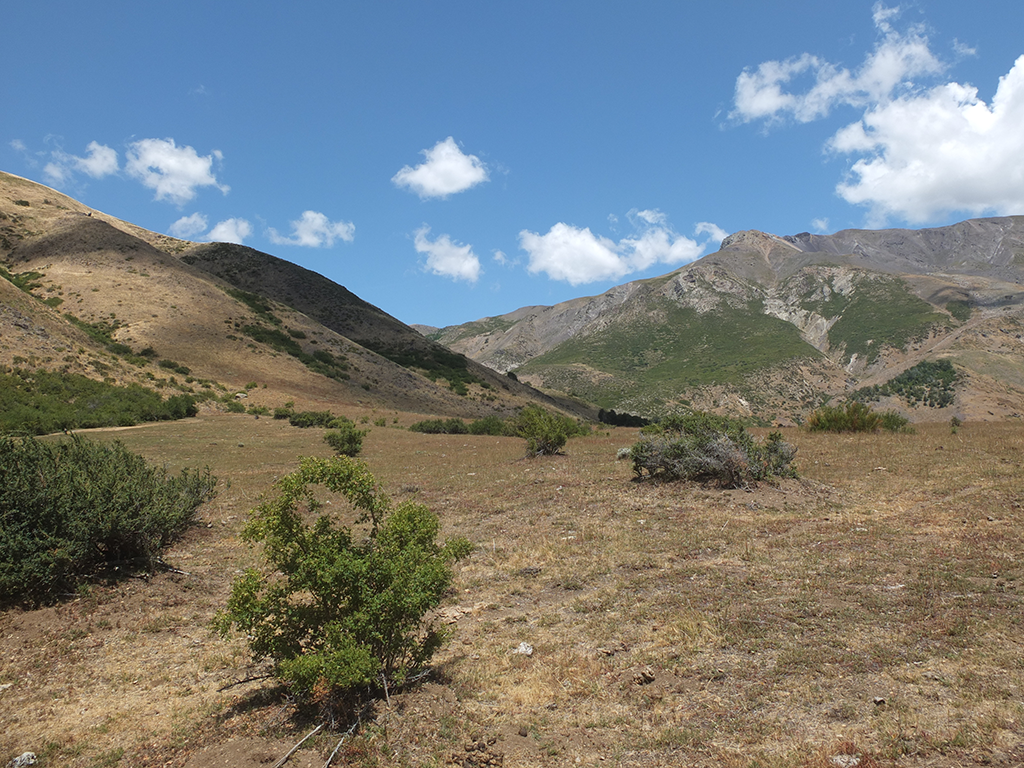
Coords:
867,613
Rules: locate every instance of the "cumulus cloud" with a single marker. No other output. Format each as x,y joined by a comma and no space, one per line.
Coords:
820,225
917,152
447,258
174,173
314,230
763,94
230,231
188,227
99,161
937,152
577,256
446,171
714,232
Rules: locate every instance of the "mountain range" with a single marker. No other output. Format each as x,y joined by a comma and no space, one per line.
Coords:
768,327
771,327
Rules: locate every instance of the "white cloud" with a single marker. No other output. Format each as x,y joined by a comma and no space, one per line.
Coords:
761,93
447,258
820,225
100,161
187,227
446,171
714,232
57,174
917,152
314,230
230,231
174,172
940,151
576,255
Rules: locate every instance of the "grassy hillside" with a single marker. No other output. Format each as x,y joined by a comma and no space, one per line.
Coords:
669,350
877,311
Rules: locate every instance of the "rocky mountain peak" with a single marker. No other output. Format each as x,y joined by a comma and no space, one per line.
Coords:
755,240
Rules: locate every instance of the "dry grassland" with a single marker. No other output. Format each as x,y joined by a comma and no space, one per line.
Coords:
866,614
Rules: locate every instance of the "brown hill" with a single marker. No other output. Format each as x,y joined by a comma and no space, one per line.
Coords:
87,279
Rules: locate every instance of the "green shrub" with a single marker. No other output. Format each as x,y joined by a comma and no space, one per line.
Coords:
894,422
489,425
307,419
283,413
345,438
440,427
546,433
67,509
40,402
338,613
234,406
854,416
703,447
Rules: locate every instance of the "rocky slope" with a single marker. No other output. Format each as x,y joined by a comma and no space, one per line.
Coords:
772,326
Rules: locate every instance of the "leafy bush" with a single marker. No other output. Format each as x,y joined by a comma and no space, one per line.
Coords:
40,402
306,419
703,447
344,437
66,509
440,427
853,416
489,425
336,612
546,433
894,422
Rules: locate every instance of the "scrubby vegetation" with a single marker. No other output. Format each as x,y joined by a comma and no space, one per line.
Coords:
546,433
703,447
307,419
931,383
40,402
440,427
855,416
71,508
434,362
621,419
338,613
345,437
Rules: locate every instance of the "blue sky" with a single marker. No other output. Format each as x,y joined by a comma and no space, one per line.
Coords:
448,161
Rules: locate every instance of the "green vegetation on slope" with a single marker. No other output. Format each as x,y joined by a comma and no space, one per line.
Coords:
40,402
880,311
434,362
672,348
931,383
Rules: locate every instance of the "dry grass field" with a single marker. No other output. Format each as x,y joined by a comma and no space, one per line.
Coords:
868,613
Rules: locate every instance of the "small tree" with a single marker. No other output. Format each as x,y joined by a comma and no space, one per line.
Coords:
337,614
344,437
546,433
